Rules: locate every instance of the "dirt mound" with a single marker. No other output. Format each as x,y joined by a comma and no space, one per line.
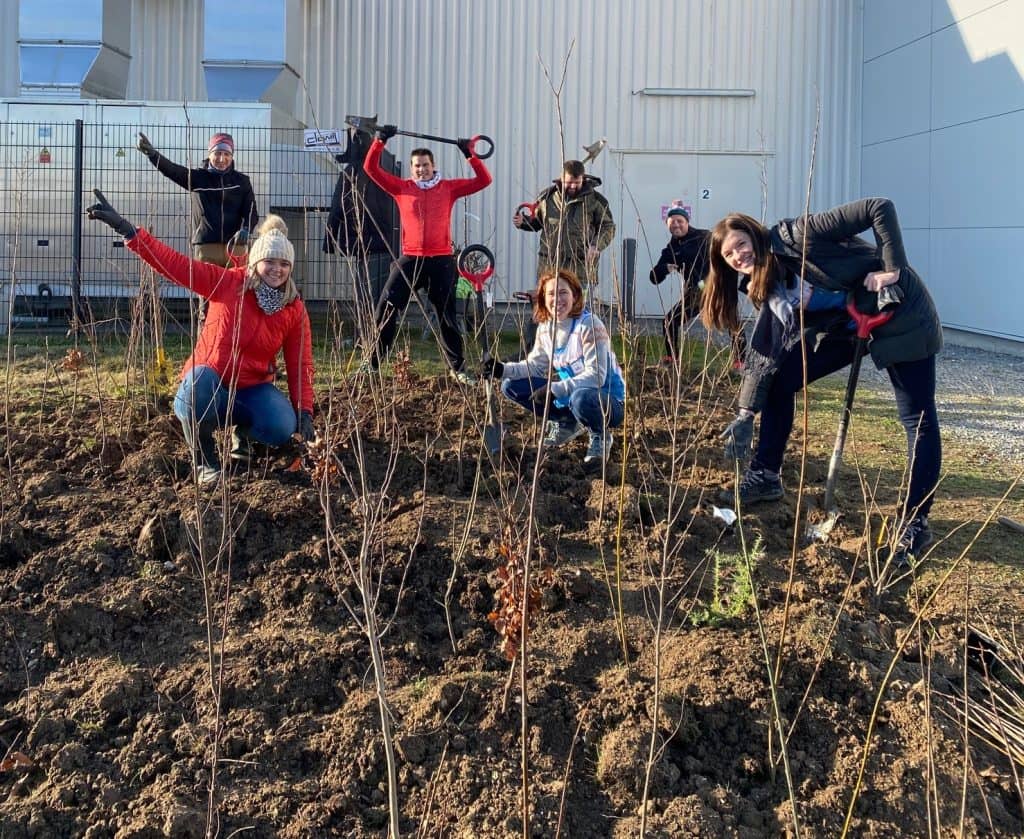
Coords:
157,641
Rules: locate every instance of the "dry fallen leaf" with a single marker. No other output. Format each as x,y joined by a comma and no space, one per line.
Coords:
15,760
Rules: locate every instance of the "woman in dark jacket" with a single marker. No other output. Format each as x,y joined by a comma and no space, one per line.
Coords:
223,204
838,263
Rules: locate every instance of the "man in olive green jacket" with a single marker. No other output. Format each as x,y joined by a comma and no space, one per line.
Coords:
574,221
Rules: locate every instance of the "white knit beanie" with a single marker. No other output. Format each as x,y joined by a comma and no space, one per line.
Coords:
272,242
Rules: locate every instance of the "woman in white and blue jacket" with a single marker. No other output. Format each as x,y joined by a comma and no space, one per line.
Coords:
587,391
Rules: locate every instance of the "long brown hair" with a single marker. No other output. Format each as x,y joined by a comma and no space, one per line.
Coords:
540,310
720,300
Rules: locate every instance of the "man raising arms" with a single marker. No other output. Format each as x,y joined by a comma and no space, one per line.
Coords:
425,206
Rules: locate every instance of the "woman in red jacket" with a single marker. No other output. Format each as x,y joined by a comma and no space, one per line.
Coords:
254,313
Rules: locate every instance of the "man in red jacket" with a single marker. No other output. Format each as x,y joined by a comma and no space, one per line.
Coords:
425,206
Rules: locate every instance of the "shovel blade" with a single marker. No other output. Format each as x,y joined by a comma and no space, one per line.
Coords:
820,531
493,435
367,124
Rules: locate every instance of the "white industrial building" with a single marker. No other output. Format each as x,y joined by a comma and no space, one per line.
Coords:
721,103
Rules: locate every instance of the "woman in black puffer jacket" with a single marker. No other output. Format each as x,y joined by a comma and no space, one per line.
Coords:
223,204
766,265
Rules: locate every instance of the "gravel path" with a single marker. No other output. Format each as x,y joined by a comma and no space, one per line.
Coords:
980,397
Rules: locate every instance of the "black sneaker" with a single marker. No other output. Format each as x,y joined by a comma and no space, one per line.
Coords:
916,536
756,485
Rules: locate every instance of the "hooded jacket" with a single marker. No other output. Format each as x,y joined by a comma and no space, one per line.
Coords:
569,228
837,259
222,202
238,339
361,219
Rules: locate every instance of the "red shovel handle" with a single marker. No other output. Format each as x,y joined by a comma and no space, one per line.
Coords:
476,264
527,209
482,146
866,322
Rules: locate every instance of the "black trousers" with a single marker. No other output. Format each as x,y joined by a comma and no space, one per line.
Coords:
913,383
437,275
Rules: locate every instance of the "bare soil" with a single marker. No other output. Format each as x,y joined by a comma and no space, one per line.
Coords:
121,584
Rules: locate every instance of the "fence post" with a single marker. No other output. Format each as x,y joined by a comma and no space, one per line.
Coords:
76,229
628,280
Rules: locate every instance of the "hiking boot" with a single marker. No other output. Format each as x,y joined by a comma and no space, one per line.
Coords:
756,485
916,536
206,475
599,449
463,377
241,448
559,434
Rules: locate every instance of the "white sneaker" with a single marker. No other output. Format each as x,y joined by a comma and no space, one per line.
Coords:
559,434
463,377
599,449
206,475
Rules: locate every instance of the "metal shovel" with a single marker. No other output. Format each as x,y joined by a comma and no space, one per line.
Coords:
494,432
369,125
865,324
477,272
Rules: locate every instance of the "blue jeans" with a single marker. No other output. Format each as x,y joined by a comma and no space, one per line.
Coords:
913,383
587,405
262,412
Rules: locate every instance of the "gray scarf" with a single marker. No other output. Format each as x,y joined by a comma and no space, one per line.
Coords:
270,300
434,181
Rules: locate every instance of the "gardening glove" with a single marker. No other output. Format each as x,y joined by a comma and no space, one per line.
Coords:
242,237
102,211
306,427
739,436
889,297
146,147
541,394
491,368
465,146
386,132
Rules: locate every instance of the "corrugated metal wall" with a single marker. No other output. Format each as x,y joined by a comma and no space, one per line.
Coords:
458,67
8,49
167,51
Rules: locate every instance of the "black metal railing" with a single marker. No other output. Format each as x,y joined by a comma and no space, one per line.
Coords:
56,267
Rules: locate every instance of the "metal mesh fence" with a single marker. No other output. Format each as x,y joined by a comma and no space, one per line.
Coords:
39,204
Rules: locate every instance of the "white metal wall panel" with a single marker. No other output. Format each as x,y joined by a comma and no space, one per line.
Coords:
973,84
888,25
947,12
977,174
901,170
898,86
167,51
964,163
975,287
